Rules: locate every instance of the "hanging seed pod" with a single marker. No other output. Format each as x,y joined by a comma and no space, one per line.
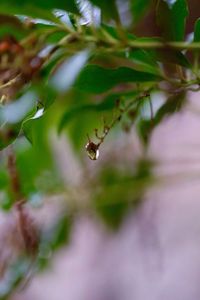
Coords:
92,150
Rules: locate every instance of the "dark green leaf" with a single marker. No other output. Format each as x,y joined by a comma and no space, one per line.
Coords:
173,57
146,60
12,116
54,238
8,134
171,18
113,213
29,124
37,8
138,8
121,191
95,79
15,274
172,105
12,24
110,30
41,172
197,31
107,104
59,233
108,8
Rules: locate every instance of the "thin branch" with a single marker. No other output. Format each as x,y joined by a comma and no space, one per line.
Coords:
118,118
14,175
26,226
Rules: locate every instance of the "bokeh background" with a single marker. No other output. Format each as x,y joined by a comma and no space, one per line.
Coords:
111,238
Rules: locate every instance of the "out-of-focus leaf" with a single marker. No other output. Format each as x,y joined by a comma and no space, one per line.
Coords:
50,66
108,8
8,134
138,8
110,30
54,238
12,116
145,59
196,39
95,79
151,57
60,233
69,70
108,104
12,24
44,91
52,38
29,123
10,20
120,192
197,31
15,274
113,213
3,179
171,18
79,128
173,57
172,105
74,112
41,172
37,8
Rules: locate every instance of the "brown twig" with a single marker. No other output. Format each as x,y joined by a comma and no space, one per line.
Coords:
26,227
14,175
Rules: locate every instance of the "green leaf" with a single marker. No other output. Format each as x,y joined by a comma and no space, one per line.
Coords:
120,191
113,213
197,31
42,173
28,124
173,57
172,105
15,273
54,238
110,30
37,8
12,116
146,60
138,8
149,59
58,234
107,104
171,18
8,134
12,24
95,79
108,8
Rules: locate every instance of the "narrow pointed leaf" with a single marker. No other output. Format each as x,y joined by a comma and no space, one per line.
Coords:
171,18
95,79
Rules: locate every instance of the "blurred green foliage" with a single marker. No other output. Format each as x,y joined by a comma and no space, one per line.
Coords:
62,71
